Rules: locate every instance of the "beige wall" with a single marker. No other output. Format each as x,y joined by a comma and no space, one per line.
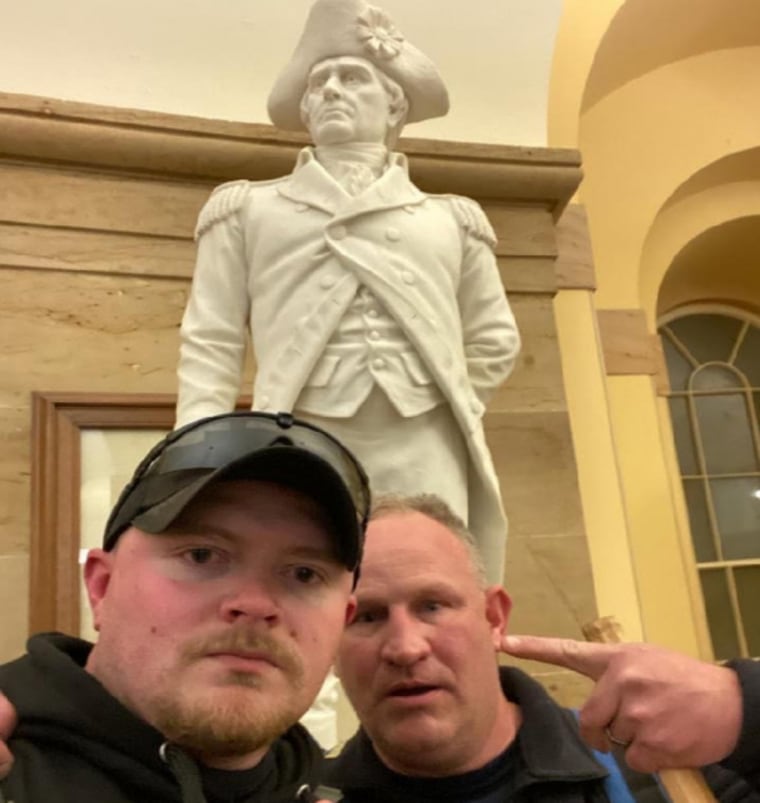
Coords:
219,60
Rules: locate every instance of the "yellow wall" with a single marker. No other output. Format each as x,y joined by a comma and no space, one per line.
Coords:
660,97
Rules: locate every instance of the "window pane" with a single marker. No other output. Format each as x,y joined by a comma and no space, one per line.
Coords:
720,617
701,532
682,433
707,337
747,359
679,368
737,514
727,442
716,377
748,590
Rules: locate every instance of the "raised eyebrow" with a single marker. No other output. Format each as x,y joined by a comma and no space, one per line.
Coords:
369,601
437,590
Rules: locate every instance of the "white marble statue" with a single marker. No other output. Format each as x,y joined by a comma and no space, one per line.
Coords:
376,310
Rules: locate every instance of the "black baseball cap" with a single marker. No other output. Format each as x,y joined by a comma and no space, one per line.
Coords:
247,445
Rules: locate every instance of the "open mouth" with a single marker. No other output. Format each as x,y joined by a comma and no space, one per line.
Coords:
412,692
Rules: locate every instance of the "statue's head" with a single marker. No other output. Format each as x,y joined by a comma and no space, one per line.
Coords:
347,99
353,77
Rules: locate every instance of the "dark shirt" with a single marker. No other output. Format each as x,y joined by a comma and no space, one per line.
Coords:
548,761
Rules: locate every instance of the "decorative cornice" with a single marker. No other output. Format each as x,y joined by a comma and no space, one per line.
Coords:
57,131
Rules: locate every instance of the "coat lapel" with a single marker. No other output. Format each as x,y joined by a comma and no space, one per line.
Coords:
393,189
311,184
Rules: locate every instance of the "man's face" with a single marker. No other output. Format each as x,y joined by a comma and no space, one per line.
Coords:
418,661
345,101
220,632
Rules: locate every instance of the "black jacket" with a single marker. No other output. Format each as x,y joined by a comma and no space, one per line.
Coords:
737,778
548,761
77,743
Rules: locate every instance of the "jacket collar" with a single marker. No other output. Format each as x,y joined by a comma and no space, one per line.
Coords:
311,184
548,737
548,743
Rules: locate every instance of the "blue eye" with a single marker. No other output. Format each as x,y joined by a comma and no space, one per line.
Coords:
366,617
200,555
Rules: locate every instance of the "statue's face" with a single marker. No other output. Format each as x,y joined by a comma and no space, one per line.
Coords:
346,101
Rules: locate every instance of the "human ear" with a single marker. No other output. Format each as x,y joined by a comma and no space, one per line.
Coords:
98,569
498,608
397,110
350,609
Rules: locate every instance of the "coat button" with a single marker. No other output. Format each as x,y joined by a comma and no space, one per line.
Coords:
408,277
374,335
338,232
393,234
302,207
378,363
326,282
264,402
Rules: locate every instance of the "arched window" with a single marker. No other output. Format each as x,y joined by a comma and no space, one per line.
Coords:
713,361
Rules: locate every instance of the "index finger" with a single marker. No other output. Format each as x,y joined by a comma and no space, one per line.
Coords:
589,659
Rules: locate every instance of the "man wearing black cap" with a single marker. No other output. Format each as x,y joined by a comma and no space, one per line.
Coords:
219,597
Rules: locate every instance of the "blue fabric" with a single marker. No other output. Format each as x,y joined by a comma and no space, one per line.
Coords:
614,784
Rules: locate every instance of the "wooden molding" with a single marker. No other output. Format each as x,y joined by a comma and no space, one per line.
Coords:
58,420
66,132
628,346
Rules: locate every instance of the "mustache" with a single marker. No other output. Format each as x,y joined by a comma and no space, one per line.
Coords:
242,640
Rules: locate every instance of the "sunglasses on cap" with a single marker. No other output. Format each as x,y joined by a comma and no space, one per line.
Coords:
246,445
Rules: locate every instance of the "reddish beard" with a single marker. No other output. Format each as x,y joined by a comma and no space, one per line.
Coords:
237,717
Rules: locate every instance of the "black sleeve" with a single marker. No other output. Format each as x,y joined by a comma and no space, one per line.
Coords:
745,760
14,679
49,655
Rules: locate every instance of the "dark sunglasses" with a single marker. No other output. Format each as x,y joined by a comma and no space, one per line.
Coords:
202,447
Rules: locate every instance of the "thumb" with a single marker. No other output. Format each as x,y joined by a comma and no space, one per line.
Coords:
590,660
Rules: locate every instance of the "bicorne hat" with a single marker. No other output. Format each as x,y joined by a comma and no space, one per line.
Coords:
353,28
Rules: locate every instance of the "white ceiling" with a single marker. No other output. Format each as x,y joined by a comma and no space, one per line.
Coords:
218,59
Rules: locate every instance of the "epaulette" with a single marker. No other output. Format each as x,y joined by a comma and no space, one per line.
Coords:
225,200
473,219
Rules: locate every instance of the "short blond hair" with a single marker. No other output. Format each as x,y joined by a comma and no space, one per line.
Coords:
434,508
